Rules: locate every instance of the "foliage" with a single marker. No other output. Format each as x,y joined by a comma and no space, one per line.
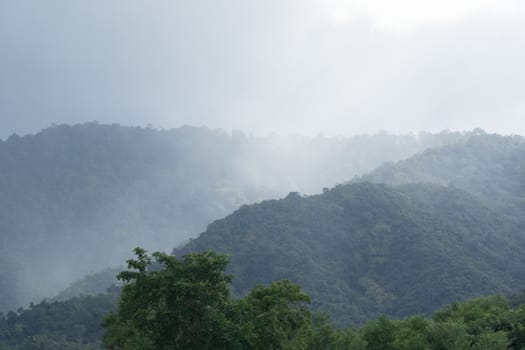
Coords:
273,317
92,284
62,325
167,303
362,250
482,323
77,199
487,166
171,303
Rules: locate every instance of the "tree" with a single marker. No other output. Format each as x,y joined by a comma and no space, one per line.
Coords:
167,303
172,304
380,334
275,317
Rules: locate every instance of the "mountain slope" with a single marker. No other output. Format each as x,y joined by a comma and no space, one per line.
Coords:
492,167
76,199
362,249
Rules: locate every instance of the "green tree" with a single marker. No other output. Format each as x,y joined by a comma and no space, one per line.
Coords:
412,334
449,335
325,337
180,304
274,317
487,321
380,334
170,303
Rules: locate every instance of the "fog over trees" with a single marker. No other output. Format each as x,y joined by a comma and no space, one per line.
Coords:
291,174
77,199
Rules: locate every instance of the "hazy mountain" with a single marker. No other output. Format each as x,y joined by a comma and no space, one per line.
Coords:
74,324
75,199
361,249
492,167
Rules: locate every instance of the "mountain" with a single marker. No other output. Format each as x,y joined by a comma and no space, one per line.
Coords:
74,324
91,285
491,167
76,199
362,249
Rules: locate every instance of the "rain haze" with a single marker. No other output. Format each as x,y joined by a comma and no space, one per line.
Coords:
370,153
332,67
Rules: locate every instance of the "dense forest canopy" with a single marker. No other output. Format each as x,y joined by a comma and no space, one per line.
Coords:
74,324
76,199
361,250
185,303
407,239
492,167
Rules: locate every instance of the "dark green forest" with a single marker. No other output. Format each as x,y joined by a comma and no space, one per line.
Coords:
422,253
492,167
361,250
72,324
185,303
76,199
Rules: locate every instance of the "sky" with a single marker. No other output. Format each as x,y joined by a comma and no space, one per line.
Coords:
286,66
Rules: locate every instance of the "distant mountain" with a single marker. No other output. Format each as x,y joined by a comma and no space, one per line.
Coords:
74,324
93,284
365,249
76,199
492,167
451,227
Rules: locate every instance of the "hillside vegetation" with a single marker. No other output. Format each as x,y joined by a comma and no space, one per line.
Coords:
361,250
492,167
76,199
185,303
74,324
451,227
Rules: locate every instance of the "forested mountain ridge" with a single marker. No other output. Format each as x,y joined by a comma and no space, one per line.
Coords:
74,324
492,167
76,199
493,322
362,249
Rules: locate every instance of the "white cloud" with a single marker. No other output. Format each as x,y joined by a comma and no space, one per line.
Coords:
263,66
402,15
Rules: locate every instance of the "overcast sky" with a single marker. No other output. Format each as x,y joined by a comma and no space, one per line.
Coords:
288,66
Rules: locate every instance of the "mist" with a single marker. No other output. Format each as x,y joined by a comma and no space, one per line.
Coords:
307,67
77,199
368,150
294,96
